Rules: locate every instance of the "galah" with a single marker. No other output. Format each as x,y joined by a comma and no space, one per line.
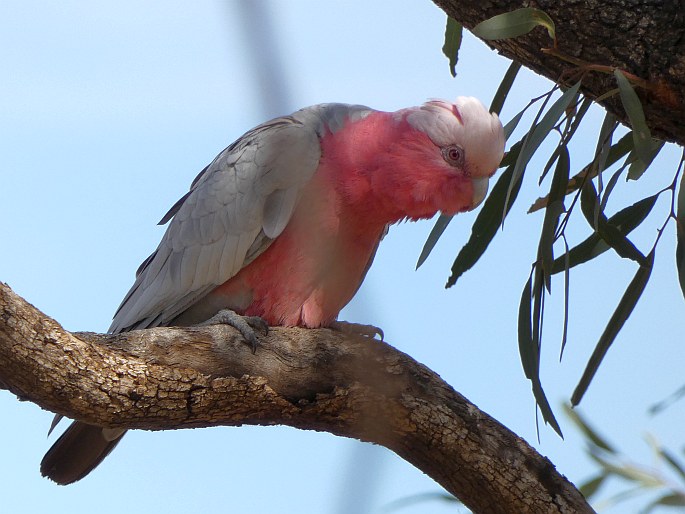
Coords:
285,222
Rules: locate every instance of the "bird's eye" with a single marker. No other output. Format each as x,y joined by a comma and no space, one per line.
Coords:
454,155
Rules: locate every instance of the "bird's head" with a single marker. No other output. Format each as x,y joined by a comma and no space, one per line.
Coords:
440,157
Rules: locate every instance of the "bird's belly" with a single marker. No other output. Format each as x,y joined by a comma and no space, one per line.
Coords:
298,281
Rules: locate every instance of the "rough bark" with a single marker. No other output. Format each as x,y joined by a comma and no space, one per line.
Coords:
166,378
643,37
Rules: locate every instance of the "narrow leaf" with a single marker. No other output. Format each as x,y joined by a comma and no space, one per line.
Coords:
545,408
589,204
530,353
512,124
567,290
453,35
625,222
680,234
528,348
604,141
673,462
589,489
555,208
639,166
513,24
618,318
667,500
505,87
633,107
541,130
485,227
439,227
589,432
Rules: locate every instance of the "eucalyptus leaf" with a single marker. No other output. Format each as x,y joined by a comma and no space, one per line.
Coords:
528,348
673,462
555,208
680,234
512,124
545,408
667,500
589,432
504,87
485,227
589,489
453,37
618,318
625,222
541,130
639,166
633,107
513,24
439,227
591,208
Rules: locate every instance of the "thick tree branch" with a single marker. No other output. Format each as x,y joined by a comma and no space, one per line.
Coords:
643,37
166,378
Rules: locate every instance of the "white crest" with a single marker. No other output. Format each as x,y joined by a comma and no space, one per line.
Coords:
466,123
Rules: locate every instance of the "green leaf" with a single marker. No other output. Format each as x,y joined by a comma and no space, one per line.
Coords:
604,141
505,87
680,234
625,222
453,35
673,462
485,227
439,227
510,157
588,431
513,24
590,488
589,204
667,500
638,166
633,107
618,318
528,348
555,207
540,131
512,124
530,354
545,409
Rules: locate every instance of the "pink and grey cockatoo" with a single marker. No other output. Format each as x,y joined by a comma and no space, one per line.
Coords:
284,224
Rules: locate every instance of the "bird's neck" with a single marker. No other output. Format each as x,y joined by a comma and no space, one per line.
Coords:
351,157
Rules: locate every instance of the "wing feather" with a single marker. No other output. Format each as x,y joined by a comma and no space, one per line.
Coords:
236,207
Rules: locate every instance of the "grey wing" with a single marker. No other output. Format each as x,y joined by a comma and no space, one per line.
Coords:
233,211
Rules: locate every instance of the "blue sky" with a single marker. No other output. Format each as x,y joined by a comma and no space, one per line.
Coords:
109,109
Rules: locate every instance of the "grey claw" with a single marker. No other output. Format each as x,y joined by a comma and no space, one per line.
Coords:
246,325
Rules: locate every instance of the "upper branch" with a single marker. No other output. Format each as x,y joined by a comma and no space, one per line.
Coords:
166,378
642,37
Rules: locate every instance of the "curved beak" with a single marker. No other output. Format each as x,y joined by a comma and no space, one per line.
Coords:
480,189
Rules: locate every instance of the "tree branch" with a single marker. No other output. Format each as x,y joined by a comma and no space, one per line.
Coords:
644,38
165,378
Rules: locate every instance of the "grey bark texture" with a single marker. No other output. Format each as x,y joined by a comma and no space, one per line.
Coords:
643,37
165,378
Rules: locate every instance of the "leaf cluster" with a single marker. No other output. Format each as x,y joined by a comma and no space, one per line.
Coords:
585,193
640,480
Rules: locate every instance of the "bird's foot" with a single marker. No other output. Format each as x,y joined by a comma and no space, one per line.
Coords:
357,329
246,325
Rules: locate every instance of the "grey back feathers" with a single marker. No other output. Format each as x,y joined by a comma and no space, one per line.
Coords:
235,208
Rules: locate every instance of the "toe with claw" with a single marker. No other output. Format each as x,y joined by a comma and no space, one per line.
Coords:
246,325
357,329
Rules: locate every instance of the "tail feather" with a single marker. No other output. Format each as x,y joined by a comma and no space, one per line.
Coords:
78,451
